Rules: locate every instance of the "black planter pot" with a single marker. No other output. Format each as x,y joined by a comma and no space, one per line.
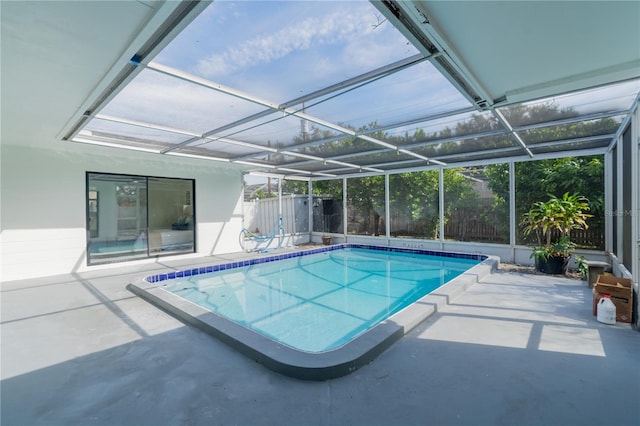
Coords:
556,265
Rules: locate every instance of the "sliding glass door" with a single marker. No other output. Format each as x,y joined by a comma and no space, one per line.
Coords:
133,217
170,216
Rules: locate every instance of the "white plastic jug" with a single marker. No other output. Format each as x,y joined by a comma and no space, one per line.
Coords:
606,311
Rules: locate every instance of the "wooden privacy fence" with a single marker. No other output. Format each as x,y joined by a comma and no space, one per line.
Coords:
592,238
480,223
483,225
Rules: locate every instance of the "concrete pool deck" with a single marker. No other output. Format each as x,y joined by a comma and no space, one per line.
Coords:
512,349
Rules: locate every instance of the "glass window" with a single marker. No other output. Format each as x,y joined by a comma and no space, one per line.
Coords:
327,206
414,204
476,204
132,217
365,206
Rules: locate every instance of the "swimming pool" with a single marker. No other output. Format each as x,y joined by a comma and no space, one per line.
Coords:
319,313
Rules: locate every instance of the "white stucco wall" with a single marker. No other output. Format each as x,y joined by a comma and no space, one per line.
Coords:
43,203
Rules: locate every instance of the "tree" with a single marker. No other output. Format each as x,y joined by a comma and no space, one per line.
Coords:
536,180
365,203
414,204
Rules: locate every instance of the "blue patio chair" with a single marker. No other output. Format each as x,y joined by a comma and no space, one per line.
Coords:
250,241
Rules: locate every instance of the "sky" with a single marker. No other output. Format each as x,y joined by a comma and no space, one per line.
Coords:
294,46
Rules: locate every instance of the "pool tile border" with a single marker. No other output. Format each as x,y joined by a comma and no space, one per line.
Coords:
240,264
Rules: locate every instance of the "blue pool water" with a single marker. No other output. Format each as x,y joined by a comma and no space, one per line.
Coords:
318,302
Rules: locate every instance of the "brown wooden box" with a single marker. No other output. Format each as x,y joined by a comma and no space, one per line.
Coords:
620,291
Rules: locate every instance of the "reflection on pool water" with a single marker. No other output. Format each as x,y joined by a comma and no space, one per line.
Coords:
318,302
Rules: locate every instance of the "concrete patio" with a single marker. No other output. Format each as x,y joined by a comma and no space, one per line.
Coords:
515,349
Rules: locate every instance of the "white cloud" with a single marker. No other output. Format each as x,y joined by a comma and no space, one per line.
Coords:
338,27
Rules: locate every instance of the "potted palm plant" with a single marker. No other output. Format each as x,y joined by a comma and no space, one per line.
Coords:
552,222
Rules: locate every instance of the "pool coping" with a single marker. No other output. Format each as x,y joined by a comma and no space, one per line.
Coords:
297,363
